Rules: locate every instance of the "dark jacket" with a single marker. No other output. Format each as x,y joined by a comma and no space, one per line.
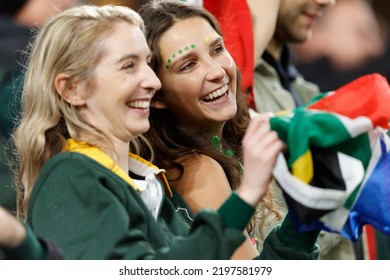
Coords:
14,39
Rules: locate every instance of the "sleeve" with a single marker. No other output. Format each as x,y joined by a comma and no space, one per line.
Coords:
285,243
89,217
53,252
29,249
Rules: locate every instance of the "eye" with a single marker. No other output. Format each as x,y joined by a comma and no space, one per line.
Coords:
187,66
129,65
218,49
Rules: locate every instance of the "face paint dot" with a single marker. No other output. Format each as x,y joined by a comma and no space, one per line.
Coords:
207,39
193,46
186,48
174,55
169,60
167,67
180,51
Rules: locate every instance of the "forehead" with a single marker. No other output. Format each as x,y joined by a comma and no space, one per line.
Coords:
188,33
124,38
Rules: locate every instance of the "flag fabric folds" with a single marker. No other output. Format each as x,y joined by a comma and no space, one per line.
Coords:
336,173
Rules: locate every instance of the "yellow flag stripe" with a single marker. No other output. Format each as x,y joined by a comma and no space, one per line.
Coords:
302,168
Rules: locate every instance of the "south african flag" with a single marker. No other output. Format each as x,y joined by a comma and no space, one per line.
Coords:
336,172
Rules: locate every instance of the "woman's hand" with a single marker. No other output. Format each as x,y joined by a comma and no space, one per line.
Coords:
260,147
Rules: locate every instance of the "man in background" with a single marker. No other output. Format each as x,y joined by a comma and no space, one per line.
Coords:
278,86
350,41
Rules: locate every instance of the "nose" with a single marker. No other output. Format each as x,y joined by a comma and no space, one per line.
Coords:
215,71
326,2
151,81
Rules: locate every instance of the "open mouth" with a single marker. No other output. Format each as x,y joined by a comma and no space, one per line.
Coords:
217,94
138,104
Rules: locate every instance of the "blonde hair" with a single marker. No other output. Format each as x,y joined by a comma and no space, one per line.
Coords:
70,43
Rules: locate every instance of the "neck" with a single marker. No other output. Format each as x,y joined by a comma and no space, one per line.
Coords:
212,128
275,48
121,156
217,129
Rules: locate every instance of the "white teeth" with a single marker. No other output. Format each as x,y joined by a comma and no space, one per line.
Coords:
219,92
139,104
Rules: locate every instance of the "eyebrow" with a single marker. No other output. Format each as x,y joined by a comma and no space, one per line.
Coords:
179,53
126,57
216,40
183,57
131,56
212,42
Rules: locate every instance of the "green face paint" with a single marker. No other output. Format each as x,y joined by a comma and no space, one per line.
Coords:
192,46
179,52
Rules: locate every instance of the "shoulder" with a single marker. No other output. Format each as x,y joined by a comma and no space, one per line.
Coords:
73,183
202,167
62,169
200,162
66,163
197,169
67,172
203,184
71,162
264,69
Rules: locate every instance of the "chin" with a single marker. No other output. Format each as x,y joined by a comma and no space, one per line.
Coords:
141,130
230,114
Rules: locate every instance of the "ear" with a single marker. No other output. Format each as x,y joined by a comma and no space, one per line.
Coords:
70,92
158,102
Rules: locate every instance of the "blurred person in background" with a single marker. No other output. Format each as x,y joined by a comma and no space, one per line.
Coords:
19,19
351,40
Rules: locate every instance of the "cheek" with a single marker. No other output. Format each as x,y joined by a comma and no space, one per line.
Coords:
169,96
231,69
184,88
180,101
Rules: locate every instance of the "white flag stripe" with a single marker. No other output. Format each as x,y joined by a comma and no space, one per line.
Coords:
309,196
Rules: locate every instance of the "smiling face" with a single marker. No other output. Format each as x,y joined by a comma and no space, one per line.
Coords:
296,18
124,85
198,76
